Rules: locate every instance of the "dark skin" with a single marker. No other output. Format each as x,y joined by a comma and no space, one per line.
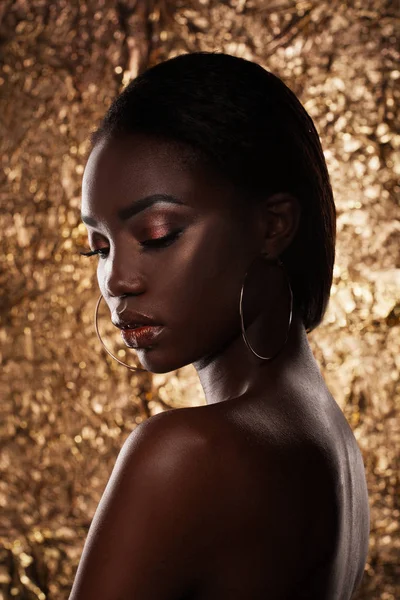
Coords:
218,244
262,418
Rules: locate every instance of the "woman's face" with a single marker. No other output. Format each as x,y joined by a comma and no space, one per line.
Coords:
191,286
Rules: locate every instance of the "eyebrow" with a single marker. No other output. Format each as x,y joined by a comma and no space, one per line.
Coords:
137,206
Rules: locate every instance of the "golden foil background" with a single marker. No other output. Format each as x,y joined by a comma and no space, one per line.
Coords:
67,407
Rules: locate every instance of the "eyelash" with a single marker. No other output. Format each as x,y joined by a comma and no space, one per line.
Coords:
149,244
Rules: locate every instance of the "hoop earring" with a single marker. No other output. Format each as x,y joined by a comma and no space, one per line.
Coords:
280,264
112,355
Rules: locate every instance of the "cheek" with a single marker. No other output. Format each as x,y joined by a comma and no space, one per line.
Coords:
204,282
103,274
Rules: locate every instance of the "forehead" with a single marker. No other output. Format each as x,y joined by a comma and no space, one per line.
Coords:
118,170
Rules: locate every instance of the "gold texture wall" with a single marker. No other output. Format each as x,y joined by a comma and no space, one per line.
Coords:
67,407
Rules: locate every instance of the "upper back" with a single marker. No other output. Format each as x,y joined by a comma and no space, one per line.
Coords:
291,478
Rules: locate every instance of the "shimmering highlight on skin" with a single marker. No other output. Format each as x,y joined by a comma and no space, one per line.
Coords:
67,409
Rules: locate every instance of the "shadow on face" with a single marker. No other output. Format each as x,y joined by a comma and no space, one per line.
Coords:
190,281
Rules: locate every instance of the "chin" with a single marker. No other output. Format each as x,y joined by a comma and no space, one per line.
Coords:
157,361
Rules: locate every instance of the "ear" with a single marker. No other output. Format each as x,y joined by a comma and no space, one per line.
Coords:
278,218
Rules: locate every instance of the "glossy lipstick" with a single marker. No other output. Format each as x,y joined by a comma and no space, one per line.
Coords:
141,337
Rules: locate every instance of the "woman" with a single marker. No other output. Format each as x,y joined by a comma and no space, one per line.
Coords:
207,198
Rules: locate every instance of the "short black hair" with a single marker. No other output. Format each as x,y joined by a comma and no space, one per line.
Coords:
248,125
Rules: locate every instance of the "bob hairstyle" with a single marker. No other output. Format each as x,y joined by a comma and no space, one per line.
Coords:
245,123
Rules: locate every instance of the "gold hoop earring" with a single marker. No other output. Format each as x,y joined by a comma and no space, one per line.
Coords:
280,264
106,349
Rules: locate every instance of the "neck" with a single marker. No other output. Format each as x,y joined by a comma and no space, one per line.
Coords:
235,372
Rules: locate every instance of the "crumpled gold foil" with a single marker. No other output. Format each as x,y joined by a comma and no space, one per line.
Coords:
67,407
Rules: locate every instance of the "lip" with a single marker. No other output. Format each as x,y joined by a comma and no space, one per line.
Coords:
132,320
141,337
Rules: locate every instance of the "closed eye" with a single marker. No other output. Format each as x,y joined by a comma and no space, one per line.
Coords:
153,244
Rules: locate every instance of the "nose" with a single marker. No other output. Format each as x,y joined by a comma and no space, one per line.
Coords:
122,288
121,279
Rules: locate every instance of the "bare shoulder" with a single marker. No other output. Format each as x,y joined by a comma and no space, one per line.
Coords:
172,427
152,513
261,494
177,443
170,444
247,453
